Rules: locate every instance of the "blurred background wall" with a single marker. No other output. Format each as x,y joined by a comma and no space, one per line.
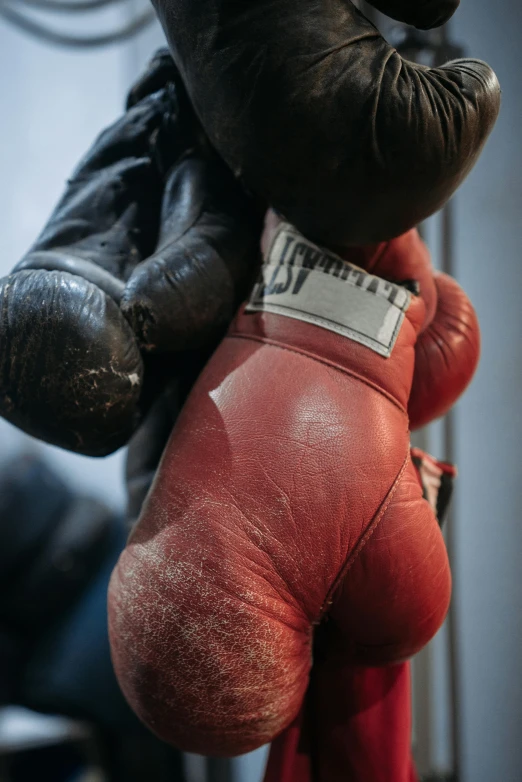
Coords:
488,578
54,101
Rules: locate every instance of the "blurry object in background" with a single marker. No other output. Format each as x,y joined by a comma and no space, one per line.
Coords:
45,748
51,542
57,551
425,47
21,14
431,48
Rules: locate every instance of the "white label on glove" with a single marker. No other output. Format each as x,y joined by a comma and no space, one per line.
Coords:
300,280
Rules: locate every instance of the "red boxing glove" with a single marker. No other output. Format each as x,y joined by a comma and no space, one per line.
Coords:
286,495
446,354
448,348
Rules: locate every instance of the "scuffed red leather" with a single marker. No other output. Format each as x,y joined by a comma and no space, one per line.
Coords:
446,355
286,494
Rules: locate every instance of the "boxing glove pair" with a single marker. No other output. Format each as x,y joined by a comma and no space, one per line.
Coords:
287,497
148,251
318,115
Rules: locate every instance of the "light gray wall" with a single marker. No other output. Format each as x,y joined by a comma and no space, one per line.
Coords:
488,575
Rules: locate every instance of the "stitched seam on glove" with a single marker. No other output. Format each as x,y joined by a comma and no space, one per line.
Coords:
326,362
365,536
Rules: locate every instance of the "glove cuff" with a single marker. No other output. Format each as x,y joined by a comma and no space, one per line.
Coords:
437,480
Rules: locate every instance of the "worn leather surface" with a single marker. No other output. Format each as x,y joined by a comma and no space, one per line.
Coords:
186,293
286,496
324,120
149,249
446,354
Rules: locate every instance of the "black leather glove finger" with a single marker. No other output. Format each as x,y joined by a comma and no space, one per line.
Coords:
185,295
159,72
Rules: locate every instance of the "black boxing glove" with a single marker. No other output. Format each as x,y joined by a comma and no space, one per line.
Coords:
318,115
71,370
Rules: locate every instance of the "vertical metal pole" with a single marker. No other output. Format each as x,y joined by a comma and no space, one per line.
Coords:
447,263
422,665
220,770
